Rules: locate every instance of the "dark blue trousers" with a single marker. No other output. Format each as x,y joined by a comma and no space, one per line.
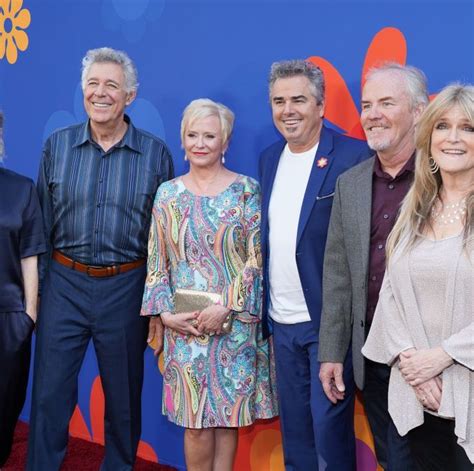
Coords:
317,435
76,308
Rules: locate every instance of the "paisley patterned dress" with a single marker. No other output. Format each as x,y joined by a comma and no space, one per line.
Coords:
211,244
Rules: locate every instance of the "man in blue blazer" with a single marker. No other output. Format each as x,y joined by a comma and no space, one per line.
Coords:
298,176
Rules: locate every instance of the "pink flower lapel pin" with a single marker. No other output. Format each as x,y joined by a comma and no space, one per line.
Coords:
322,162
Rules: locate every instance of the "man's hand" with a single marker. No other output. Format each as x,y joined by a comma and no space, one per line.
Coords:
429,393
212,318
184,322
155,334
418,366
330,375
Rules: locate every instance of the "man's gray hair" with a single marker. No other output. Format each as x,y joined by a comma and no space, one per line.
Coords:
414,78
109,55
2,145
295,68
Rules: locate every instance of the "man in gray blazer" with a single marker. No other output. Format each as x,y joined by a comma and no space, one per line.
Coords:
365,207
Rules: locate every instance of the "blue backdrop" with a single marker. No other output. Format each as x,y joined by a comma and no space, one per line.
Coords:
221,49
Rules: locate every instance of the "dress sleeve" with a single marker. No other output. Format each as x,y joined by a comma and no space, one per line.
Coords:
32,233
245,292
157,296
460,346
389,334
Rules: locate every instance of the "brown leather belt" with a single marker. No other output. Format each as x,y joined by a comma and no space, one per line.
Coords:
97,272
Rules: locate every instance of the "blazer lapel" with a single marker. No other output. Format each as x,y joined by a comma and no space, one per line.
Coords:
363,192
268,179
316,179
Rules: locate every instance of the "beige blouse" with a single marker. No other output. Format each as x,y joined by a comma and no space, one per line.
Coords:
414,311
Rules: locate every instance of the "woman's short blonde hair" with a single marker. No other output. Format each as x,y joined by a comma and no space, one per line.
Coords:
203,108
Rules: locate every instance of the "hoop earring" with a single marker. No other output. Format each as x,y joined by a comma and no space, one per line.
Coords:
223,158
185,157
434,167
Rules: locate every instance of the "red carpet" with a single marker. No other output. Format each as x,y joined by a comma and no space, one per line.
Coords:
81,455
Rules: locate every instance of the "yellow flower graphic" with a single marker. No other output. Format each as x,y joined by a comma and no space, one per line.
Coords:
13,20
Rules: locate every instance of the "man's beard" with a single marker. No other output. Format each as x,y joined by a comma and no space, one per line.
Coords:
379,144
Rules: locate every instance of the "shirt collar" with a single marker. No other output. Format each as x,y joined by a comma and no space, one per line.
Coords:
130,139
409,167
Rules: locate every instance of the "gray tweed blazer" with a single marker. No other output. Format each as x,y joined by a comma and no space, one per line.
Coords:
346,264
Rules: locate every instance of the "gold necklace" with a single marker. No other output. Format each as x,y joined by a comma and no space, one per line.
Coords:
449,213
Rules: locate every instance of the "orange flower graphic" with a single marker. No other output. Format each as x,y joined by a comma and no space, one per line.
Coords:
388,45
13,20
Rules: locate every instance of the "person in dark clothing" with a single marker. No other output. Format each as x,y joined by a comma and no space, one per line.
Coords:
21,241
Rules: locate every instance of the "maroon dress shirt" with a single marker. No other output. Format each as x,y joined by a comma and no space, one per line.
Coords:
387,195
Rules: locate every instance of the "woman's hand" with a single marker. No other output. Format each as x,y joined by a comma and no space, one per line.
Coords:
182,323
429,393
210,320
418,366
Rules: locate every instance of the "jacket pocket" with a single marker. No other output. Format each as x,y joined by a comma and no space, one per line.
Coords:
323,197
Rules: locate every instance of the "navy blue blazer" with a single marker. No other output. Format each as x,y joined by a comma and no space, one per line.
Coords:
342,153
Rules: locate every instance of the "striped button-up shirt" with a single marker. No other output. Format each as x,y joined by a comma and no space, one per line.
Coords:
97,205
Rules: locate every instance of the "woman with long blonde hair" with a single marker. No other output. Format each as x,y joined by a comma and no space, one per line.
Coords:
424,325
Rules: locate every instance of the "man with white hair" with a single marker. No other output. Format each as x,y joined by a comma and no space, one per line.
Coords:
97,182
366,204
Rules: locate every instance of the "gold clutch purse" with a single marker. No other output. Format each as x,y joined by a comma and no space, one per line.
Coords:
189,300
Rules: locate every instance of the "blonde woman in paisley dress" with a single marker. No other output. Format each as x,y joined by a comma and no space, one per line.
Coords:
205,236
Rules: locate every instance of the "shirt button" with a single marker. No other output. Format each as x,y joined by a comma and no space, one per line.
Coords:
374,278
390,187
98,205
380,246
385,216
101,180
96,231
